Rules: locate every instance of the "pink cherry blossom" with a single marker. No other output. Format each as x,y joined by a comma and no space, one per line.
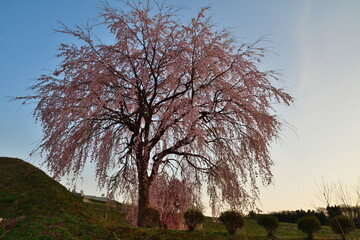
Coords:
164,99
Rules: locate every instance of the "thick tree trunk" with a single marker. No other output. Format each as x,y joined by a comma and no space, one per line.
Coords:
144,199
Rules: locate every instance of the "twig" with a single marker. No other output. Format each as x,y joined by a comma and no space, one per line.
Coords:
4,233
116,236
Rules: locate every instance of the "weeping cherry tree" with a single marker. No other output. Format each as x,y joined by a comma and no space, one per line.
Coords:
185,99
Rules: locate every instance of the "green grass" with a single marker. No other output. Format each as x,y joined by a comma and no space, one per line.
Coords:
285,231
112,212
35,207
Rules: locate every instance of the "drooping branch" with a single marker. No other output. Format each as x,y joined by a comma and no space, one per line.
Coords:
163,97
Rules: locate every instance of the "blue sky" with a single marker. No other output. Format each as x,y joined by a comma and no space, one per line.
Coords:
317,49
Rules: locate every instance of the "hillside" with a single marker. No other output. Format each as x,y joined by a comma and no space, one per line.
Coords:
34,206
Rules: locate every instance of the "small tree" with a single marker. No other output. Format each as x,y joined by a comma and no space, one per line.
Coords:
193,217
309,225
270,223
232,221
172,197
342,225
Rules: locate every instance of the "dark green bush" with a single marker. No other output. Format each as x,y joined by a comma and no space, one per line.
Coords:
193,217
309,225
232,221
151,217
252,215
270,223
342,225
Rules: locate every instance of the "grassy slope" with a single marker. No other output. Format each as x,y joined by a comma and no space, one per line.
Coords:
34,206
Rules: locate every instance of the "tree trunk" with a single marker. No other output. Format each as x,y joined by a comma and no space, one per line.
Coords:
144,199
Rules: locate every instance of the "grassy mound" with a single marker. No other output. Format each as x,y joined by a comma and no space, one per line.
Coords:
34,206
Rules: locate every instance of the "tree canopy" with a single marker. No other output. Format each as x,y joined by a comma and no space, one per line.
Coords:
164,96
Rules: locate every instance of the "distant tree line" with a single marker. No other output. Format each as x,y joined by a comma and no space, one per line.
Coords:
351,212
294,216
323,215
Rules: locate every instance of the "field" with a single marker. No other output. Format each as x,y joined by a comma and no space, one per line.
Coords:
35,207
